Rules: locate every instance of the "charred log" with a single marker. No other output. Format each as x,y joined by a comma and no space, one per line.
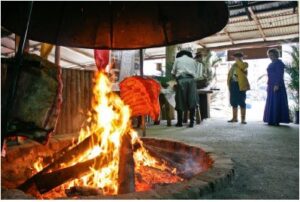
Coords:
47,181
64,156
178,157
163,158
126,180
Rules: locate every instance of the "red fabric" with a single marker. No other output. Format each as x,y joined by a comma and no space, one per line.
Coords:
142,96
101,58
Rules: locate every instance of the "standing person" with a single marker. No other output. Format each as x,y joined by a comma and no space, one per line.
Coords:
186,97
238,84
276,109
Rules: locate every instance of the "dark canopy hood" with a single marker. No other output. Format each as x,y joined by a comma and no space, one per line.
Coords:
116,25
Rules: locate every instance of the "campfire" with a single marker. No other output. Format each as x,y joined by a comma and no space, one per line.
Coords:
108,157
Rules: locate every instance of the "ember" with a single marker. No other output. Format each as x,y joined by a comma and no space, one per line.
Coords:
148,177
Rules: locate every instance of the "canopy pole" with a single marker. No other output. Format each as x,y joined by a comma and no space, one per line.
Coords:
15,77
57,55
142,119
141,63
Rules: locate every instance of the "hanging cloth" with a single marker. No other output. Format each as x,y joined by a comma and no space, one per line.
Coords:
101,58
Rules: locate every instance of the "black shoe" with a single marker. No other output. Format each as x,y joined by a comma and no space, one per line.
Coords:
273,124
178,125
156,122
179,118
232,120
192,117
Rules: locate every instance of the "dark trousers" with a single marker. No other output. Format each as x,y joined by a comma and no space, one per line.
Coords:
237,97
180,115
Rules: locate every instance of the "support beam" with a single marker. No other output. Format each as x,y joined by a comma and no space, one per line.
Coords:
269,28
201,44
227,33
265,10
245,5
288,13
253,3
257,23
254,44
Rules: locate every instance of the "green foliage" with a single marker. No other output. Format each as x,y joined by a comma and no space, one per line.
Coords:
293,70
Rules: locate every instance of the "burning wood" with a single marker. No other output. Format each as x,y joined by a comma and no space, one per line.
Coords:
73,153
178,157
165,158
63,157
47,181
185,166
169,161
126,178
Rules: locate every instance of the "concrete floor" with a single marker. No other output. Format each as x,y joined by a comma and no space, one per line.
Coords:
266,157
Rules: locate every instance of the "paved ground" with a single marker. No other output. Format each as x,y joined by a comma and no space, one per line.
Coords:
266,157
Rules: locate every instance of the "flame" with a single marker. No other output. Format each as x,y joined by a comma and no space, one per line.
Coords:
112,117
38,165
142,157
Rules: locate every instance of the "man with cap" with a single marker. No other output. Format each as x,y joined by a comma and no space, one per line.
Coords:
186,97
238,84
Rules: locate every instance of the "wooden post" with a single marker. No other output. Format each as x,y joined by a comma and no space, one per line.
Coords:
142,118
170,57
73,101
141,63
57,62
57,55
68,101
143,124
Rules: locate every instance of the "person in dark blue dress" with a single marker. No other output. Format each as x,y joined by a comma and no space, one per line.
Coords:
276,108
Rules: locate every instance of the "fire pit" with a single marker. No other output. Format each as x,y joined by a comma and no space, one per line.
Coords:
109,160
203,172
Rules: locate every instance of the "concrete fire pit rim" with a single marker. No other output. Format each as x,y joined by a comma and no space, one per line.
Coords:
220,174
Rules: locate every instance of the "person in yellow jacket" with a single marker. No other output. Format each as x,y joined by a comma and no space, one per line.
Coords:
238,84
